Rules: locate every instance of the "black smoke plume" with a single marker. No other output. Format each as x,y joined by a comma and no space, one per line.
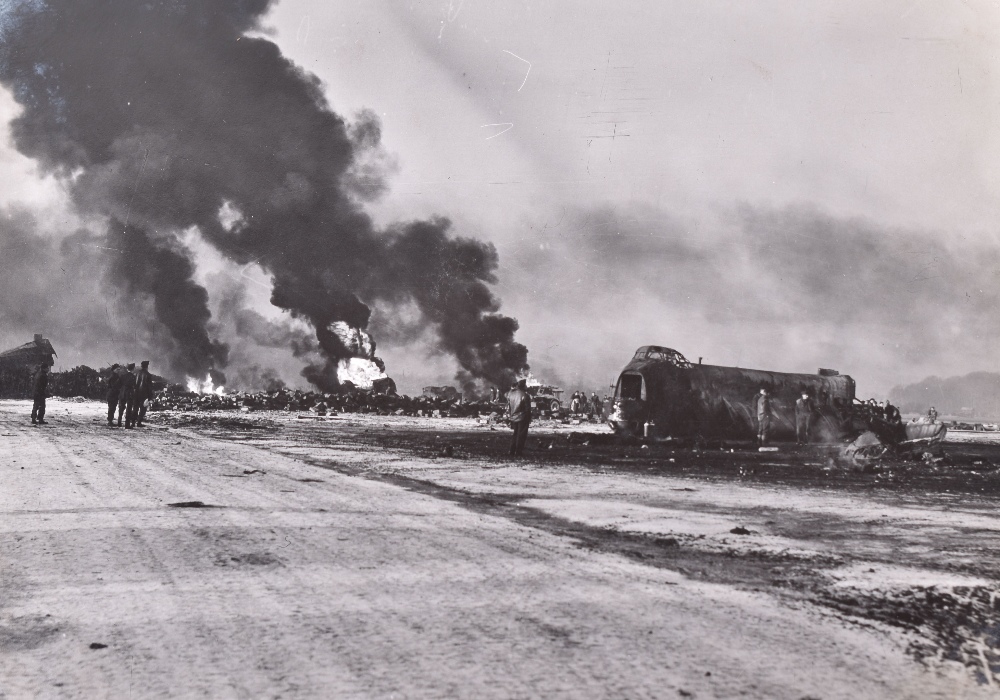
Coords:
160,115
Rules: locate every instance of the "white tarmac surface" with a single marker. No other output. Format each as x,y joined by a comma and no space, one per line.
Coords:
306,582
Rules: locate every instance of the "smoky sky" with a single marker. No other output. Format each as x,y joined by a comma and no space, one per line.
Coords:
788,289
52,284
157,116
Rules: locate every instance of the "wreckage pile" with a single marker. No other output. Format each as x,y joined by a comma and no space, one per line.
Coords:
351,401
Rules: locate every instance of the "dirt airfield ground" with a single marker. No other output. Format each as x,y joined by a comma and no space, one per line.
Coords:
228,555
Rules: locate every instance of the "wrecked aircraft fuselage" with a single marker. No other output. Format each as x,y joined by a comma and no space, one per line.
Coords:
660,394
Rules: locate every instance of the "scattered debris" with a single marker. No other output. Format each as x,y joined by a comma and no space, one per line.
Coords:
866,448
191,504
349,400
448,393
740,530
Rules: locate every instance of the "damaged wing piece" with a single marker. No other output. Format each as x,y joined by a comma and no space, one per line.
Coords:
659,393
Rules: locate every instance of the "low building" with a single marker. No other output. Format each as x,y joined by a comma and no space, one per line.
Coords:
38,351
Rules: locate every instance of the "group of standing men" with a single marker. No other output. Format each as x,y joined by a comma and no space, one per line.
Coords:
579,404
129,391
804,411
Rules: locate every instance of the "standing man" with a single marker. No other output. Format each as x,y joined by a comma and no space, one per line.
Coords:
803,419
126,394
932,415
114,388
39,389
519,407
763,416
895,420
143,392
598,406
892,413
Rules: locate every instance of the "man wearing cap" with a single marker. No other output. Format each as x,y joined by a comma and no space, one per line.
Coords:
114,388
763,402
519,406
803,419
126,395
39,389
143,392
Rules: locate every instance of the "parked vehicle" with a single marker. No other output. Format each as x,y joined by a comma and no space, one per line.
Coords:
545,398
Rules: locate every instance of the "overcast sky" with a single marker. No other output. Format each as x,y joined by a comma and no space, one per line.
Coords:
774,185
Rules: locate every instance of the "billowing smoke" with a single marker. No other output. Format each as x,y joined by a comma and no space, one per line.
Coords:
164,117
50,282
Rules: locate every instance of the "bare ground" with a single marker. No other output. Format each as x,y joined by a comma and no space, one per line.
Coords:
268,555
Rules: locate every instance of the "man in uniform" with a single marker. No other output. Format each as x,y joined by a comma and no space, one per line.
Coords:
126,394
40,387
519,407
893,417
892,413
143,392
114,388
803,419
763,402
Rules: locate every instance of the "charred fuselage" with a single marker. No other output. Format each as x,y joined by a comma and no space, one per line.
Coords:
660,389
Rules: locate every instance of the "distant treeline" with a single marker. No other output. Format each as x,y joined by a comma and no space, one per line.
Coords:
16,383
976,395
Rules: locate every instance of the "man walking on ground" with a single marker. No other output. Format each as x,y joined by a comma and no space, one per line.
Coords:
598,407
763,416
803,419
143,392
126,394
39,389
519,407
114,388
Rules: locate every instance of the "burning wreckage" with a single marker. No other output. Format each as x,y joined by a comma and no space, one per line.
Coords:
660,394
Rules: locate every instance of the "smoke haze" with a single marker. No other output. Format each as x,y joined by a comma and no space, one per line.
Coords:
789,289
